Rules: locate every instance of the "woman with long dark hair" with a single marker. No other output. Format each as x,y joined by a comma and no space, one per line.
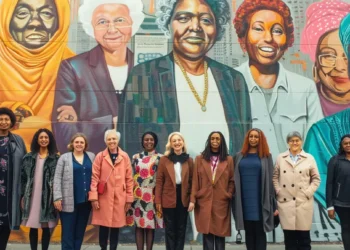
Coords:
212,189
38,170
337,188
255,204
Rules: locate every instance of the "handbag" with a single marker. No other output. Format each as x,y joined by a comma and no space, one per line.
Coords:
102,185
276,220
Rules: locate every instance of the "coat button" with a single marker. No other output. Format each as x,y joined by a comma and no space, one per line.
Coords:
284,171
284,186
300,172
293,198
285,199
292,185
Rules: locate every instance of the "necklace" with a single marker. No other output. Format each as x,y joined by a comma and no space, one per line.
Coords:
189,82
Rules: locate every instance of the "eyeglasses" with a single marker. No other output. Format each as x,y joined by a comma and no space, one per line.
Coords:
105,25
329,60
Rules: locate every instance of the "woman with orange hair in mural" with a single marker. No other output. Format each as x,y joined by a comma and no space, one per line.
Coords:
281,100
29,60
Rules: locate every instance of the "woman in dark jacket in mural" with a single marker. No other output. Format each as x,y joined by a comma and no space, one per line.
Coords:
337,188
38,171
90,85
185,89
254,205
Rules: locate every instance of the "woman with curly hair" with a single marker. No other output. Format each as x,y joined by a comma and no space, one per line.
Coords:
38,171
265,31
254,205
185,89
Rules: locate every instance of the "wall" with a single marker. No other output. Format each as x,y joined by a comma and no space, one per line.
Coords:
79,95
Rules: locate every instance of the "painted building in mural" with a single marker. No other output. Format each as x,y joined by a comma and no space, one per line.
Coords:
84,66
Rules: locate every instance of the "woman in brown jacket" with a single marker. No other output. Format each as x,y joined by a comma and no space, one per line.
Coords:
212,189
295,180
173,189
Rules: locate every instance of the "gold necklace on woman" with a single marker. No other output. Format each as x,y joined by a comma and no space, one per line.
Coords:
189,82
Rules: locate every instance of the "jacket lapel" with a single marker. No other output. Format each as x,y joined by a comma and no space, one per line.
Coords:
107,157
171,171
220,169
184,170
207,168
170,109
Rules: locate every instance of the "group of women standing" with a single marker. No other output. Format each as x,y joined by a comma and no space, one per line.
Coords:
155,191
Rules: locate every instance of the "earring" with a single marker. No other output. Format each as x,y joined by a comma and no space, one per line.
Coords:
314,74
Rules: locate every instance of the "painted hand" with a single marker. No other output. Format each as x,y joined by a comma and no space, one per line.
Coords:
67,114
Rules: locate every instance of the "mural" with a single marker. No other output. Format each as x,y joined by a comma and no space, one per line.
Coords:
192,66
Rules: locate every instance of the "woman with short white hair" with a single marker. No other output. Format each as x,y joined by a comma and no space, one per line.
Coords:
111,188
92,83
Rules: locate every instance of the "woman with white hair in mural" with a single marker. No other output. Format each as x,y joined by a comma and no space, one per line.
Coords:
90,85
111,188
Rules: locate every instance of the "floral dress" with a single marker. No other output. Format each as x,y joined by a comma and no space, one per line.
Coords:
4,164
143,213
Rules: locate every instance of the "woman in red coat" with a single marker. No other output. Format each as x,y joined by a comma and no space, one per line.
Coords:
212,189
109,207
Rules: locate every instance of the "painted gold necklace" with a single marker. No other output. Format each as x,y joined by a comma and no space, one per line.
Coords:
189,82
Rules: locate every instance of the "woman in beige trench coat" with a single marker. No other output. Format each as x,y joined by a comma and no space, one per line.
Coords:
295,180
109,209
212,190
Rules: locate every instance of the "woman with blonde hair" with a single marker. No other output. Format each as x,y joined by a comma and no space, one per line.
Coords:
173,189
71,185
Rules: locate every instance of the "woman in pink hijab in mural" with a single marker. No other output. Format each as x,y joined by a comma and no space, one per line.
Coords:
320,40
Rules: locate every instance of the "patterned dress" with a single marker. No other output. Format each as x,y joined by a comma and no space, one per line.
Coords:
3,179
143,213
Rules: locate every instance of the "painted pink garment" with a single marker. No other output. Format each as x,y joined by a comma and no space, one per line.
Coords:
35,205
321,17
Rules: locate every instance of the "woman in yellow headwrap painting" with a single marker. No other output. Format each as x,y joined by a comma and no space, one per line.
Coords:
33,42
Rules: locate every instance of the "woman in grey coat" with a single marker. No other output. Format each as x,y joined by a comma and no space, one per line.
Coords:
71,186
254,201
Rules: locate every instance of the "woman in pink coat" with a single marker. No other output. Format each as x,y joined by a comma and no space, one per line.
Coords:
111,190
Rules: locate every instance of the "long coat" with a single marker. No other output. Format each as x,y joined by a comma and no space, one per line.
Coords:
212,199
119,189
166,183
47,209
84,83
268,200
150,102
295,185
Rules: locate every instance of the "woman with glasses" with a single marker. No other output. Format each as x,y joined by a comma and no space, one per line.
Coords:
296,179
320,40
93,82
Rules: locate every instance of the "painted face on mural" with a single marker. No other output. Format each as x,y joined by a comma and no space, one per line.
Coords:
34,22
193,27
333,64
266,38
112,26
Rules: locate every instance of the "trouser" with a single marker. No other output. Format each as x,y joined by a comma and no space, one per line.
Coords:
255,236
211,242
297,240
113,237
74,225
175,220
344,216
5,232
34,237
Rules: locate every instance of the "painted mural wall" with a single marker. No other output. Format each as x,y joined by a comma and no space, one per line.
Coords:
93,65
